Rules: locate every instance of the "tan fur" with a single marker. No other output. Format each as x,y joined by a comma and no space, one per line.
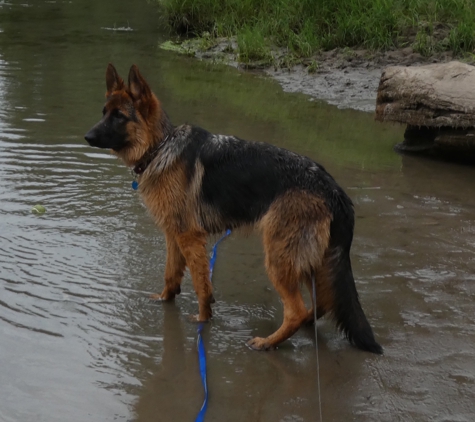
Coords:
297,226
205,216
324,292
164,195
296,233
174,270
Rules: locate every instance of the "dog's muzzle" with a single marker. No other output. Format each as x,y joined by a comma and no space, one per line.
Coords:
91,138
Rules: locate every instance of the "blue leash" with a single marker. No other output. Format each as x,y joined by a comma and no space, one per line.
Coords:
202,360
215,251
200,344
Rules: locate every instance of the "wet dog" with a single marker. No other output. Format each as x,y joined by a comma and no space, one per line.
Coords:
195,183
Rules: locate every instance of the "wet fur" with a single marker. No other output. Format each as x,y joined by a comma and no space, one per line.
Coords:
196,183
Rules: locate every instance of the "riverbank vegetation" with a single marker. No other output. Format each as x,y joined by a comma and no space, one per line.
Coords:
304,27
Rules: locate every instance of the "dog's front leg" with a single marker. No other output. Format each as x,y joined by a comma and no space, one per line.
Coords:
193,247
174,270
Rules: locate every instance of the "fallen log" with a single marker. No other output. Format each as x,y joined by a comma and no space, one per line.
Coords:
435,95
437,102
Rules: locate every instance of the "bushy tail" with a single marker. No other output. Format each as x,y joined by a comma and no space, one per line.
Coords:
347,310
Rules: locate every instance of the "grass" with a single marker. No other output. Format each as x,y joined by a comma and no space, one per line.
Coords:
252,45
303,27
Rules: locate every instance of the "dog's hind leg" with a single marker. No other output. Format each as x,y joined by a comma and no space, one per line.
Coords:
192,245
323,290
286,282
174,270
295,234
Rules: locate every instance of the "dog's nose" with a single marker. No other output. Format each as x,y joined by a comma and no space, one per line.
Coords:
90,137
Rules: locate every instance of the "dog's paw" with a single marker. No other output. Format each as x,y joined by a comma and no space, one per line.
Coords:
162,297
196,318
165,295
259,343
157,297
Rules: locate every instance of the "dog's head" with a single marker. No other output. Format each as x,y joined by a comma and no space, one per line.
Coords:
132,118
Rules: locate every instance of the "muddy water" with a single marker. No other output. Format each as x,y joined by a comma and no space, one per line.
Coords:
79,338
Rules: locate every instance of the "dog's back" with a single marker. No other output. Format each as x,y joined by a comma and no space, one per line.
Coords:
240,179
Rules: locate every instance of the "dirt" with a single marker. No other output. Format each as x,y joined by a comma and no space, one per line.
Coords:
347,78
342,77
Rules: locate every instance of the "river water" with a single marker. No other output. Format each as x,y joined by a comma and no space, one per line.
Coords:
80,341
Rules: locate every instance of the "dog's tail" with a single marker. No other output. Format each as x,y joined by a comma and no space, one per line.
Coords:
347,310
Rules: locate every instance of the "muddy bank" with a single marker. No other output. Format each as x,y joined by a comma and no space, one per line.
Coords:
342,77
347,78
346,88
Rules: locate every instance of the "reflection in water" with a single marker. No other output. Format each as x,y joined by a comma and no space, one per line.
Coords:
173,391
81,341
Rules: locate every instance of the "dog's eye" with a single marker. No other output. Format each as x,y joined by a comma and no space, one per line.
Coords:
119,115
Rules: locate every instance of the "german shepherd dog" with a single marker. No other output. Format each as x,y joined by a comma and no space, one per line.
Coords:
195,183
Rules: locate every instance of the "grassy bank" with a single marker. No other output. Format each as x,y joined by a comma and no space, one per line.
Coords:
304,27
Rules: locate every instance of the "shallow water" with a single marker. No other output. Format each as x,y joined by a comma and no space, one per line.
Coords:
80,339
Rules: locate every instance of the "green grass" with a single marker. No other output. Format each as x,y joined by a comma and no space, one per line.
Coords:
304,27
252,45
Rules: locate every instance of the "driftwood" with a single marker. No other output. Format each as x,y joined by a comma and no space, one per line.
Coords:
435,95
437,102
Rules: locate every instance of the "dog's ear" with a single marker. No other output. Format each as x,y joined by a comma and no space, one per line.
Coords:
138,86
113,81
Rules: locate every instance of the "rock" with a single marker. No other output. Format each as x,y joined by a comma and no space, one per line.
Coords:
457,144
436,95
437,102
